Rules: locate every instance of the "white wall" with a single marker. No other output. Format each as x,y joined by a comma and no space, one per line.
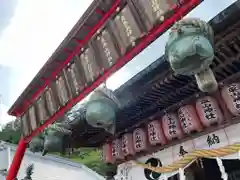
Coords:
2,177
50,167
4,159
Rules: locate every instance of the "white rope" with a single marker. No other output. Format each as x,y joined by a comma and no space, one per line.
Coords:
165,177
182,174
222,169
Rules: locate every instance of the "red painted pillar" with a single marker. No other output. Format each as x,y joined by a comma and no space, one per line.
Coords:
16,163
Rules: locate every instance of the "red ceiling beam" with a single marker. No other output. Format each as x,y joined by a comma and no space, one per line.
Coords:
99,11
101,22
122,61
88,27
68,51
77,40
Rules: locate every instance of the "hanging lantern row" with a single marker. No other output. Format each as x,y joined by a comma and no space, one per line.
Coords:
174,125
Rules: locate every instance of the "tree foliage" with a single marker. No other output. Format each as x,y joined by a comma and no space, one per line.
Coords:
10,134
87,156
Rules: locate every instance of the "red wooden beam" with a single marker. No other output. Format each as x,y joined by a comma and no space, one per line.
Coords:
99,11
122,61
77,40
16,163
88,27
67,50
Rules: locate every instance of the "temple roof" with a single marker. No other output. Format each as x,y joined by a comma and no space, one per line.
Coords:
156,88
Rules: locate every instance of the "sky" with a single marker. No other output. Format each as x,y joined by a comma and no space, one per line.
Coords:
30,31
7,8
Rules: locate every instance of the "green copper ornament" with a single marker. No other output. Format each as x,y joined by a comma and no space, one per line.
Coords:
101,110
190,51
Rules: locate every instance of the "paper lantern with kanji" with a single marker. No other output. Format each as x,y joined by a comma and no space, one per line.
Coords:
171,126
231,96
117,149
209,111
127,145
155,133
107,153
139,140
189,119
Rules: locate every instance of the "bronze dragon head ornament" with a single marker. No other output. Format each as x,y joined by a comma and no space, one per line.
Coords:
190,51
101,109
51,140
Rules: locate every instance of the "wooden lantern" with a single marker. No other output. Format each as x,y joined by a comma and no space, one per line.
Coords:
107,153
171,126
140,140
209,111
127,145
155,133
231,96
117,149
189,119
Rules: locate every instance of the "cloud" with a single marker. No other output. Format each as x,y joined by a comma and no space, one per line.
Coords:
33,34
7,8
36,30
